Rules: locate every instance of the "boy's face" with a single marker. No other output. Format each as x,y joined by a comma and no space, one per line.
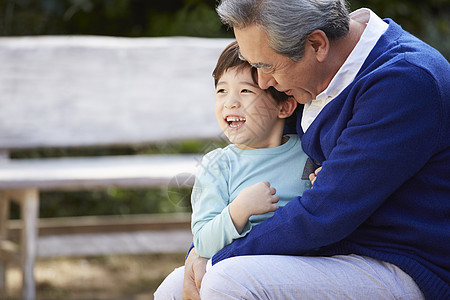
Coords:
247,115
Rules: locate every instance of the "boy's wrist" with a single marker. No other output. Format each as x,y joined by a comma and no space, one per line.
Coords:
239,210
238,215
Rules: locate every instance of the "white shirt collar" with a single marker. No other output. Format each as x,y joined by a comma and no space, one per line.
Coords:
373,31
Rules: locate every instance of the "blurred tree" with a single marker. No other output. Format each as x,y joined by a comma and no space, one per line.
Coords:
194,18
428,19
110,17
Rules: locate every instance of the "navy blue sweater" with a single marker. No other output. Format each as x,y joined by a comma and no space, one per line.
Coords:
384,190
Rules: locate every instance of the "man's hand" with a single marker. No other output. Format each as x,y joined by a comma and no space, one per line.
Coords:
194,270
313,176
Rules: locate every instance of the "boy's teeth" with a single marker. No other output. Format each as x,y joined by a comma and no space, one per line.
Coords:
235,119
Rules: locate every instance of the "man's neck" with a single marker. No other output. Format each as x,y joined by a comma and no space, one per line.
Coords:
341,49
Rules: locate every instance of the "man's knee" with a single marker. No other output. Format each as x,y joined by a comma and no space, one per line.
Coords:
172,286
222,280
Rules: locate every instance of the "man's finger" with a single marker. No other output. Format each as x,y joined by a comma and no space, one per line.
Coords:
190,291
199,272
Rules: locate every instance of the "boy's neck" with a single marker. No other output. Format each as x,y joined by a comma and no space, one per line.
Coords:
283,140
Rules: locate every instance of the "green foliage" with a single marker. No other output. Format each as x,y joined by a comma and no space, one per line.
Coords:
184,147
115,201
194,18
428,19
131,18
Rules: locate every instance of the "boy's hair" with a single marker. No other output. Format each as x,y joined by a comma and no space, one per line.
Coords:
230,59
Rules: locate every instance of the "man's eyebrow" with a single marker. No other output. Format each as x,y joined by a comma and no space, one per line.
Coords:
261,66
255,65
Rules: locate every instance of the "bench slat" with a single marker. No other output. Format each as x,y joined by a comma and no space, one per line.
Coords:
99,172
81,91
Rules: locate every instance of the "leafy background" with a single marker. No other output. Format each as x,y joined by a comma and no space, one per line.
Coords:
427,19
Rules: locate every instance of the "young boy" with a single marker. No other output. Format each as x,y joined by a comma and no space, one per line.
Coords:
235,186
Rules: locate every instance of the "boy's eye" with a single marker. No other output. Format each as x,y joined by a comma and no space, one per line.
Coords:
219,91
246,91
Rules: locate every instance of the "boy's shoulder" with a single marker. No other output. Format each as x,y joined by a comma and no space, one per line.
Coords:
217,151
216,156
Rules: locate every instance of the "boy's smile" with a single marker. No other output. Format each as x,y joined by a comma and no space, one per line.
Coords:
235,122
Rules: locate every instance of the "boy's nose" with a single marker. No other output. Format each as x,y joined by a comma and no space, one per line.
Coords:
232,103
265,80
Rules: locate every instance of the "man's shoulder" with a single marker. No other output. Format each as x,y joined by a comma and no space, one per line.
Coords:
397,46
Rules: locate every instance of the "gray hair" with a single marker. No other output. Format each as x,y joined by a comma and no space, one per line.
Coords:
288,23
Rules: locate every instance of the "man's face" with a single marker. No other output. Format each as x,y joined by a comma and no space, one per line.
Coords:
297,79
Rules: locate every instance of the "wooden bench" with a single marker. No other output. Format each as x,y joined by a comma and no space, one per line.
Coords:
96,92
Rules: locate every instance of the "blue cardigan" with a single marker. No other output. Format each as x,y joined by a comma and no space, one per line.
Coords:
384,190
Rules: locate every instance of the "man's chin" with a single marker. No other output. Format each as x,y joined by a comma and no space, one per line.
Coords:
302,100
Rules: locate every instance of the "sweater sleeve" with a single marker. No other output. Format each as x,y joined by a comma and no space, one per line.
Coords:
394,128
212,226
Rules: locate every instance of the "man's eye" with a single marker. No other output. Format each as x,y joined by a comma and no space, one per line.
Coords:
267,70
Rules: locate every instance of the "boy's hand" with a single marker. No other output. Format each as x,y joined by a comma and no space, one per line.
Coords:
313,176
257,199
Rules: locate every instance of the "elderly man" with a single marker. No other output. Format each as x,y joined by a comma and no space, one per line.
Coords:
376,118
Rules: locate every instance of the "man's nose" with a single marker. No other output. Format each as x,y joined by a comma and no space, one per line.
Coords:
265,80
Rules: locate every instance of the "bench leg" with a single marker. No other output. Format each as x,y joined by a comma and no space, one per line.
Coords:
4,216
29,200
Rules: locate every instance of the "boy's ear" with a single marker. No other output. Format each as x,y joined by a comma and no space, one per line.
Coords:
287,108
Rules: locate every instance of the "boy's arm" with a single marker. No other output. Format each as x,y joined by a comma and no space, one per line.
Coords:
212,226
216,224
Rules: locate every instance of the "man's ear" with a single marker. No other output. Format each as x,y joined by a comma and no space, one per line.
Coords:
287,108
319,44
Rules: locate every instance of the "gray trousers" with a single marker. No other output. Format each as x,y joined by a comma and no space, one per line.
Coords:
298,277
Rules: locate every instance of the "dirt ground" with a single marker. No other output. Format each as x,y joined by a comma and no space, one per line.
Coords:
131,277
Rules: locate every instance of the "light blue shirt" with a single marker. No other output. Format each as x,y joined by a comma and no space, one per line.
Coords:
222,175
